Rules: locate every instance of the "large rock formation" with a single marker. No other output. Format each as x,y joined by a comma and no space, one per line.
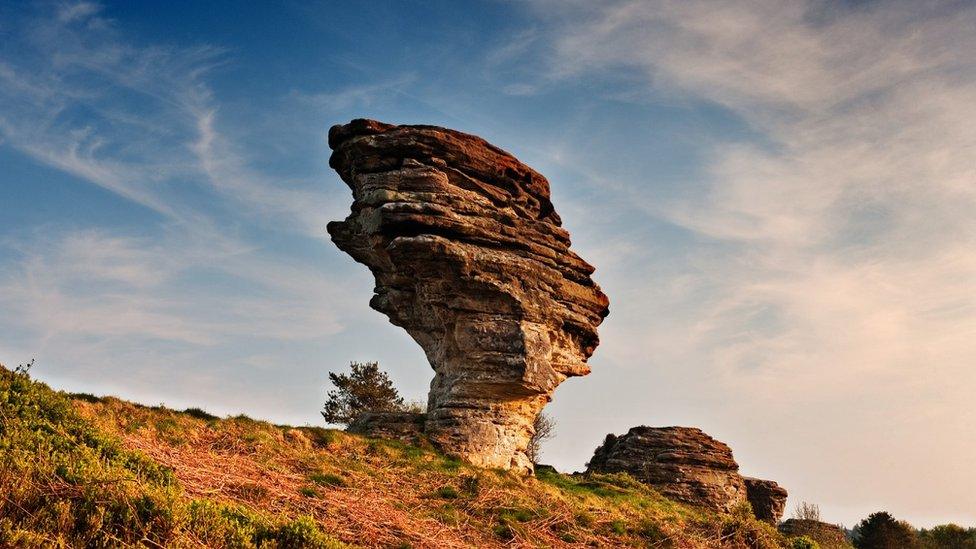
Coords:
470,259
686,465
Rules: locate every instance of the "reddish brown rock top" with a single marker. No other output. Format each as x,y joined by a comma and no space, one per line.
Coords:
515,184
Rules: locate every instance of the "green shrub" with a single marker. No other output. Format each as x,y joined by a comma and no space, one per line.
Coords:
200,414
504,531
585,519
86,397
803,542
302,533
447,492
327,479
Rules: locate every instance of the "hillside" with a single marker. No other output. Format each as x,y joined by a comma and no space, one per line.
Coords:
78,470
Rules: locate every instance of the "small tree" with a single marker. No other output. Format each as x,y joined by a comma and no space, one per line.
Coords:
807,511
545,428
365,389
881,531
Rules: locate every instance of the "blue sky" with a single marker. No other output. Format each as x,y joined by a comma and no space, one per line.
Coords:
777,196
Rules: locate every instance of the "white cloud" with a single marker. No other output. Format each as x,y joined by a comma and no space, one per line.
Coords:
142,122
79,10
138,121
92,284
847,274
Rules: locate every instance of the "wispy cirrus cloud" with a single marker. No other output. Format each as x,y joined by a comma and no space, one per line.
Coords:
203,278
140,121
833,263
93,283
864,177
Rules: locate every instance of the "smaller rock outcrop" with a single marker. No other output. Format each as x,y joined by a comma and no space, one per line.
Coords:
687,465
768,499
683,463
406,427
828,536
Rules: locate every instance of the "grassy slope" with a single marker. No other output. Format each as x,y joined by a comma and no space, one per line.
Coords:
81,471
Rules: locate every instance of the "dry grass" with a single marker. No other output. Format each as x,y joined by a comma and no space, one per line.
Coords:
82,471
390,493
384,494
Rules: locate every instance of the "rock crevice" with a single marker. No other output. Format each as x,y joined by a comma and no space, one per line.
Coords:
470,258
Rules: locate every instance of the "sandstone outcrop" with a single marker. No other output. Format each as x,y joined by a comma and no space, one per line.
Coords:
470,259
768,499
682,463
686,465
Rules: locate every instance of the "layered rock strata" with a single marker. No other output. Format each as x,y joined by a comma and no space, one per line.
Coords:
687,465
470,259
682,463
768,499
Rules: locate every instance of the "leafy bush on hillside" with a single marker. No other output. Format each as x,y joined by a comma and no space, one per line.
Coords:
803,542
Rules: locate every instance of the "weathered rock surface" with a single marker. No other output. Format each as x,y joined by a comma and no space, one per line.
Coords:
828,536
768,499
403,426
687,465
682,463
470,259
